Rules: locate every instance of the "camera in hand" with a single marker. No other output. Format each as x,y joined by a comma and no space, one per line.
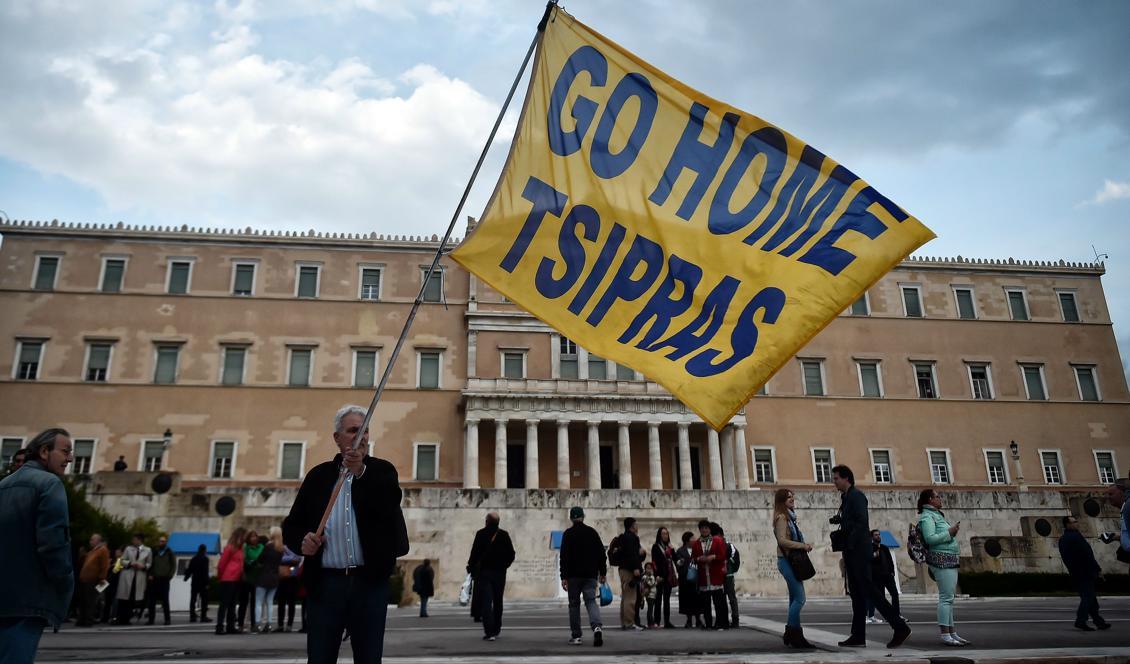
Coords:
835,520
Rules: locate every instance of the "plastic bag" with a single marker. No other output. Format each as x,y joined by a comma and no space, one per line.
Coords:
465,591
692,572
605,594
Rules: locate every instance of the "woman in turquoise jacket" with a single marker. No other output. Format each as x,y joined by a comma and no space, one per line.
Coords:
942,556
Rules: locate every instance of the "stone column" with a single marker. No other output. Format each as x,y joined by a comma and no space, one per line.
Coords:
727,440
594,455
625,457
715,459
471,456
654,460
500,454
532,454
563,454
741,456
686,482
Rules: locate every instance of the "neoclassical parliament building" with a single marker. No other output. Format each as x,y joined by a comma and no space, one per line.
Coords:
221,356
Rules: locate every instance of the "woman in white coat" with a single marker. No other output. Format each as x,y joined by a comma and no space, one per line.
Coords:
136,560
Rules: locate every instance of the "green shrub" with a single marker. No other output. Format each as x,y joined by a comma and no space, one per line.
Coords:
86,519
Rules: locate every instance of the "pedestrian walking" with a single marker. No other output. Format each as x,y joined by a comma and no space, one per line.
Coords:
161,574
882,574
95,568
288,589
582,568
1079,559
492,553
688,582
663,557
267,580
710,555
625,552
229,571
855,530
36,546
252,549
942,556
197,574
423,584
110,595
648,583
136,560
733,563
346,570
789,538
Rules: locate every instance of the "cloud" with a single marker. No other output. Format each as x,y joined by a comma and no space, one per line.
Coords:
1111,191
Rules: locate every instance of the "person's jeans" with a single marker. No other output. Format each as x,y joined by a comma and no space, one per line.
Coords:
796,591
731,597
663,598
339,602
1088,602
629,595
719,619
225,615
493,586
159,592
947,587
586,588
19,639
423,606
265,605
857,566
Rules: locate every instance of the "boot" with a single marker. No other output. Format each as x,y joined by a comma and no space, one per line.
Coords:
787,637
799,641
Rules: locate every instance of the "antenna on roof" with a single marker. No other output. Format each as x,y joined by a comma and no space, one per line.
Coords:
1099,257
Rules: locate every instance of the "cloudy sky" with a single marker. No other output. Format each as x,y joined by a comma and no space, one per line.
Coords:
1002,125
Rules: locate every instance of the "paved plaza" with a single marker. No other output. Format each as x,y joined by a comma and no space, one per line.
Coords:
1028,629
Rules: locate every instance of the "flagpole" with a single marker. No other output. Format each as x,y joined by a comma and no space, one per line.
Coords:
435,262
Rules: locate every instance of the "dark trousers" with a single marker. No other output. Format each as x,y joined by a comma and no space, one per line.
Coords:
1088,602
201,593
110,601
663,603
652,610
225,615
246,597
423,605
858,569
338,603
717,598
159,592
732,598
287,595
87,604
493,585
886,585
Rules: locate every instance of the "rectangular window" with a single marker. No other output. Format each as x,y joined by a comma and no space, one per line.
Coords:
428,362
869,381
822,465
364,368
180,277
370,283
8,447
243,279
165,372
1087,383
598,368
1017,304
223,458
912,301
46,269
763,465
97,362
1053,469
625,373
1067,306
980,382
924,379
861,307
1104,461
513,364
84,456
881,465
965,306
940,466
307,281
1034,385
30,355
234,357
568,360
301,360
291,460
426,465
433,292
813,371
994,464
153,453
113,270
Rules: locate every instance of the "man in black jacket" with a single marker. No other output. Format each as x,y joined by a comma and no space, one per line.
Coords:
347,568
492,553
1080,561
582,567
197,573
883,572
627,554
857,563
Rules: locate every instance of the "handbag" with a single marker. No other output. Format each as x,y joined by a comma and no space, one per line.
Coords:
839,540
605,594
465,591
692,572
801,564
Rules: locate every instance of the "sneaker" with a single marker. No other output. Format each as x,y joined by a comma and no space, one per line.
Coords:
597,637
958,637
869,620
492,638
948,640
575,641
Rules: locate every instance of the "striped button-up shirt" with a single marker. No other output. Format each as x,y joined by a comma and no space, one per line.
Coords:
343,546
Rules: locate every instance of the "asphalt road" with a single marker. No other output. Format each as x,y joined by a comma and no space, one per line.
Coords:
1031,628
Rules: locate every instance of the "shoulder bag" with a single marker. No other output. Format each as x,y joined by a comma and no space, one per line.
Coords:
801,564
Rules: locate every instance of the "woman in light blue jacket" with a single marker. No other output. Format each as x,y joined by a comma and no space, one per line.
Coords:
942,556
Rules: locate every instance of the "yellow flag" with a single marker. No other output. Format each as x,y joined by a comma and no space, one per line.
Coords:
673,233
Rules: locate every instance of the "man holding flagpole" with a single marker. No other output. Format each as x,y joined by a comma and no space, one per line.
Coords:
347,567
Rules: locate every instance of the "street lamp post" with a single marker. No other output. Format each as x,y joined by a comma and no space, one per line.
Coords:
1020,483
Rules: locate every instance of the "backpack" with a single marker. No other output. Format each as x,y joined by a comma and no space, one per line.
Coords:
614,551
915,546
734,560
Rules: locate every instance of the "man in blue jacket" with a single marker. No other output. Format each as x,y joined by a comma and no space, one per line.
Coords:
36,547
1079,559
